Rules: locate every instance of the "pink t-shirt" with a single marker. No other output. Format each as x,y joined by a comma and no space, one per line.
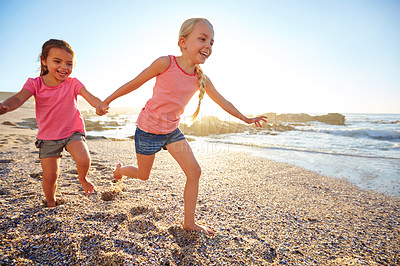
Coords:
57,113
171,93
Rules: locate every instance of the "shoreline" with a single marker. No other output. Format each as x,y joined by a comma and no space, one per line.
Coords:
314,161
25,123
262,211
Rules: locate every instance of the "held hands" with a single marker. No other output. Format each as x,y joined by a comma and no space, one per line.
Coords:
256,120
3,108
102,109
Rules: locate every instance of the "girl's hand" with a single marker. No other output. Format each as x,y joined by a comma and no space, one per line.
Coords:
102,109
256,120
3,109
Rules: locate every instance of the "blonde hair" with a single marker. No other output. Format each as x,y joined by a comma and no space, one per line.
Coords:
187,28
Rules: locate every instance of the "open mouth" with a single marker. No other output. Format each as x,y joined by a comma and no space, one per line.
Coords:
62,73
205,54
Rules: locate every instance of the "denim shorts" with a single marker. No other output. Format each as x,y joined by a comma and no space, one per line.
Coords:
149,144
54,148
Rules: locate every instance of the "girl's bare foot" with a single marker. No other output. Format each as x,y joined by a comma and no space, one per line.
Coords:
200,228
57,202
117,174
51,204
88,187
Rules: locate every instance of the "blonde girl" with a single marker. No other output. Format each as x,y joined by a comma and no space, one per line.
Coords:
60,124
178,78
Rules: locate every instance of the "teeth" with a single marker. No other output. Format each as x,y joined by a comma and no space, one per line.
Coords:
62,73
204,53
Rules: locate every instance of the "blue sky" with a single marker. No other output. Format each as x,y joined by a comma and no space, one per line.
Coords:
269,56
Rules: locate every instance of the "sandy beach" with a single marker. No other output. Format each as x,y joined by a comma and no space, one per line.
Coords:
263,212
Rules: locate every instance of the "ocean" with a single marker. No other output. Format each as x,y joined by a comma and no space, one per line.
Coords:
364,151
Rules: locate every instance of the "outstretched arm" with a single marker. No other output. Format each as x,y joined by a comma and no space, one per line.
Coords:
157,67
229,107
90,98
15,101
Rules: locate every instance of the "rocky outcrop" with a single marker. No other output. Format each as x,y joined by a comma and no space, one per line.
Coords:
330,118
210,125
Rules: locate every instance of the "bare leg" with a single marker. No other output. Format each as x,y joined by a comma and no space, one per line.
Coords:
145,163
50,167
80,152
183,154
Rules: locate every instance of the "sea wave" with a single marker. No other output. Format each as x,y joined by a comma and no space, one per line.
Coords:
377,134
387,122
299,149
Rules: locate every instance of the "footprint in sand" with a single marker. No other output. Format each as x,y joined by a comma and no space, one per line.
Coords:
37,175
139,210
183,237
141,226
109,195
102,216
8,123
4,191
72,172
99,166
6,161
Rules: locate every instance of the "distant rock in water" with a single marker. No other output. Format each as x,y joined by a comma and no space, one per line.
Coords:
100,125
211,125
330,118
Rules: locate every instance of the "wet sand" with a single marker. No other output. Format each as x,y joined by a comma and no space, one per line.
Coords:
263,212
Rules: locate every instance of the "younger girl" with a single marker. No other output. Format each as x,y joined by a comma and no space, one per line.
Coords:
178,78
60,124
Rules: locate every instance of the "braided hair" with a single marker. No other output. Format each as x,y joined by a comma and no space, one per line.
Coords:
187,28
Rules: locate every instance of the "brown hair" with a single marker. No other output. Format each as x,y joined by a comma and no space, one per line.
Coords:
187,28
52,43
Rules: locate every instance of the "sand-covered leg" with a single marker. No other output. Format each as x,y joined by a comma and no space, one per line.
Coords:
50,167
183,154
142,171
80,152
117,172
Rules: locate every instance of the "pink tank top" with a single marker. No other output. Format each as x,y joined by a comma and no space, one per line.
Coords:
172,92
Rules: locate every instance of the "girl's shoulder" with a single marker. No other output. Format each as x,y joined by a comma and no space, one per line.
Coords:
161,64
34,82
74,80
163,61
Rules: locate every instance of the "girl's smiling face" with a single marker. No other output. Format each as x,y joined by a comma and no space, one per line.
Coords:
59,63
198,44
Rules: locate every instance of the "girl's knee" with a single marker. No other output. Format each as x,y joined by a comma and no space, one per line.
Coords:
79,152
50,178
144,176
198,170
83,161
195,172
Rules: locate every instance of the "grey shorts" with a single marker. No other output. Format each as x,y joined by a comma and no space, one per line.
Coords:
54,148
